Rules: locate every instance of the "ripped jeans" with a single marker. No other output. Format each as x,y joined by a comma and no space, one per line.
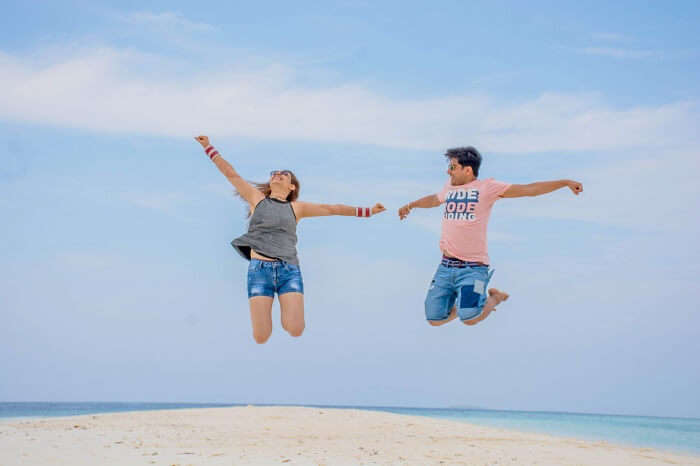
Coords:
463,287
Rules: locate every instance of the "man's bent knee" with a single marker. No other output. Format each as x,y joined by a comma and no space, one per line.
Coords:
295,330
437,323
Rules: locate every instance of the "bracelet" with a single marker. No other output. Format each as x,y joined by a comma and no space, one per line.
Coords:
211,152
363,212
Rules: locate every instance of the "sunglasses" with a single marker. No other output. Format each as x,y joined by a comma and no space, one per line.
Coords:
280,172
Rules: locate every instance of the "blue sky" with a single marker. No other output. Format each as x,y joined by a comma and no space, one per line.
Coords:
117,281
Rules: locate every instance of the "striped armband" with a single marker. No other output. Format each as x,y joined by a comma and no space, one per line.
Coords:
363,212
211,152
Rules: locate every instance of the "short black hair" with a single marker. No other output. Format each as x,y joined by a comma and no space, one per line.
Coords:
466,157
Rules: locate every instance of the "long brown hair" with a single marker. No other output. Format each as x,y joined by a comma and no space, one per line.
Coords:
265,189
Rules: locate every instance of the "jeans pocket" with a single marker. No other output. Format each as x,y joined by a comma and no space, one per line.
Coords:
255,265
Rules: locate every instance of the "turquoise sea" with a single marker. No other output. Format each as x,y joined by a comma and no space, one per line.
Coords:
671,434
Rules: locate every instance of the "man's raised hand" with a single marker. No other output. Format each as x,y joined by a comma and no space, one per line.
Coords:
575,187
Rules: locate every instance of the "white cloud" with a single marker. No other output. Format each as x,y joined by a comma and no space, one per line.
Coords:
391,190
115,91
610,36
615,52
222,190
426,220
656,192
164,202
90,260
167,20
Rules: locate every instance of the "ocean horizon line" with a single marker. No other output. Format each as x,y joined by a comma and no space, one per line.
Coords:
223,404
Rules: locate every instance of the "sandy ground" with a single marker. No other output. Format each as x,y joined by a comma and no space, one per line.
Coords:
294,435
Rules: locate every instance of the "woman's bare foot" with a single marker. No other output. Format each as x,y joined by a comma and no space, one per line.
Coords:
495,298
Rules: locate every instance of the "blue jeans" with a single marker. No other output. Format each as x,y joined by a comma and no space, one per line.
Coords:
265,278
465,288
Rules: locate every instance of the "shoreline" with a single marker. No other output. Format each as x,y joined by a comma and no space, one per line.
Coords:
296,435
390,410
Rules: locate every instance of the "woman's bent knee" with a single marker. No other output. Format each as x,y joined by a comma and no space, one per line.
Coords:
261,338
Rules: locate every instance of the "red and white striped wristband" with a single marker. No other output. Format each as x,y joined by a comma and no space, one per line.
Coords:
211,152
363,212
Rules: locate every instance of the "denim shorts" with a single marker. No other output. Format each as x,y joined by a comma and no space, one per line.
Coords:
265,278
463,287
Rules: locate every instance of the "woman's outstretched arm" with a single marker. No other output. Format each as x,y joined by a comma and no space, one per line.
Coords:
309,209
245,189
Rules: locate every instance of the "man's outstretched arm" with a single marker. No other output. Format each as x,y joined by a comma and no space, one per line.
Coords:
424,203
542,187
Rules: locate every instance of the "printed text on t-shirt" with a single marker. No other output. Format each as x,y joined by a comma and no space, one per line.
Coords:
460,204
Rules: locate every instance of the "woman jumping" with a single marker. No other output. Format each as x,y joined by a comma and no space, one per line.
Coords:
270,243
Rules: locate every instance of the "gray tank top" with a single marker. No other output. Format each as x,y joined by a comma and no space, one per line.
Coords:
272,232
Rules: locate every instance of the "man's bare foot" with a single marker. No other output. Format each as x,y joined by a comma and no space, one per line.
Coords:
495,298
498,295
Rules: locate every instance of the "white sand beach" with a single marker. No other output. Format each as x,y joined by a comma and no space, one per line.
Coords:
295,435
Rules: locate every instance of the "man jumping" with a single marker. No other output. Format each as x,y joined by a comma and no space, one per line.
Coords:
460,283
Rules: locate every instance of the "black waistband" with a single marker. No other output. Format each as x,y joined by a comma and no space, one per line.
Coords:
454,262
269,257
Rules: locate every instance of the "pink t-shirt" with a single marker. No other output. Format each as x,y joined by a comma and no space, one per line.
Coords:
466,217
